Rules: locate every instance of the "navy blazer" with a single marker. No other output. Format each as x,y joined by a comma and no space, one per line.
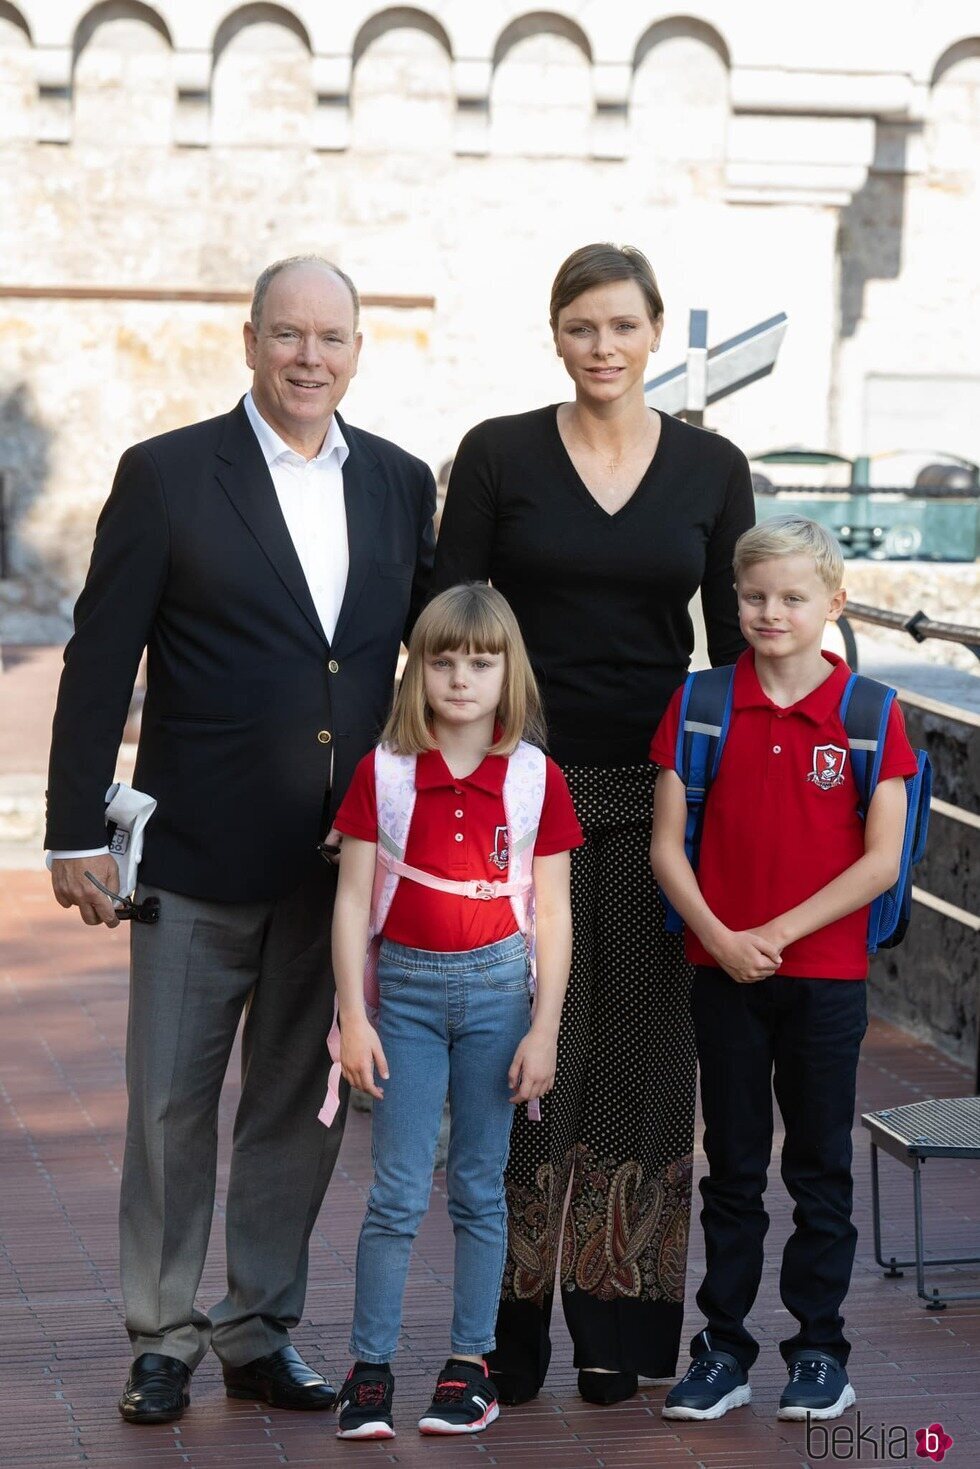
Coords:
246,701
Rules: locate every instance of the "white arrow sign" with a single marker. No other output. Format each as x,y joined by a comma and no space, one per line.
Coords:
729,366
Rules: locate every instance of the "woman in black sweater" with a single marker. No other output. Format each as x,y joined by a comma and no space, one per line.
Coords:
599,520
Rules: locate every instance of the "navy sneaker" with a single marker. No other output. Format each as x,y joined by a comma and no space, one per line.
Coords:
714,1382
817,1387
364,1402
465,1399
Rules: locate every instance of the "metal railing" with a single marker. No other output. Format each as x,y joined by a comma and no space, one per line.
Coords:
918,626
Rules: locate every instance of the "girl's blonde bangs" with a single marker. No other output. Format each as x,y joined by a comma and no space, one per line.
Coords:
472,625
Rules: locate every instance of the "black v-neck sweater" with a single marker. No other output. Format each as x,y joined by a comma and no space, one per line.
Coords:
601,599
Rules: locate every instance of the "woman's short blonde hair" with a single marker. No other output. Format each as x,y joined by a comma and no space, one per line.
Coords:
477,618
791,535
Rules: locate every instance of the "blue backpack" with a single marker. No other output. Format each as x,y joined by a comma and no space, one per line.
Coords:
706,711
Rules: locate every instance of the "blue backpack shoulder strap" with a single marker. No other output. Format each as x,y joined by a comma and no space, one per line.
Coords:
864,709
705,714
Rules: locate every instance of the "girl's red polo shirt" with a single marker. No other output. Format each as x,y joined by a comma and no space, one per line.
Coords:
458,832
774,833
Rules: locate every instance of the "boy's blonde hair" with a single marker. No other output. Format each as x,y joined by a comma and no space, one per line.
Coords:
790,535
477,618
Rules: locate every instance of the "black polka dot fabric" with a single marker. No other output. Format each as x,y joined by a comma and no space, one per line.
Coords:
616,1134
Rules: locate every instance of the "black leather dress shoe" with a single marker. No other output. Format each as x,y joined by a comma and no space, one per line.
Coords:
156,1390
606,1388
282,1380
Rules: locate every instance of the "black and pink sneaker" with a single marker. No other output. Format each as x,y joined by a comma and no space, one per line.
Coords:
364,1402
465,1399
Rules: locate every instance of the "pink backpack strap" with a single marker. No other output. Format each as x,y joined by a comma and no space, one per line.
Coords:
524,787
479,888
394,789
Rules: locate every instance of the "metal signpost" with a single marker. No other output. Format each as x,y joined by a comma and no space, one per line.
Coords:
712,373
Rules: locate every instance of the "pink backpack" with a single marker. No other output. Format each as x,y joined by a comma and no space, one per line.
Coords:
394,778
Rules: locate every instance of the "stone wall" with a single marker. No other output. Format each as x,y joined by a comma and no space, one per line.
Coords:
931,982
451,156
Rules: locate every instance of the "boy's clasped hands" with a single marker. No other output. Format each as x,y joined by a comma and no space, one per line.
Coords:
748,955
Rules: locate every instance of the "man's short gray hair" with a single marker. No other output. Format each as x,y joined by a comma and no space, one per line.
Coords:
278,266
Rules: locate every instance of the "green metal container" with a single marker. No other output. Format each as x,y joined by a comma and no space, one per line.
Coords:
888,525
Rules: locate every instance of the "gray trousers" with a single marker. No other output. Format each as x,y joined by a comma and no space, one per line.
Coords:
192,975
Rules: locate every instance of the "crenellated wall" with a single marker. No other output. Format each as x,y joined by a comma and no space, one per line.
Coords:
154,158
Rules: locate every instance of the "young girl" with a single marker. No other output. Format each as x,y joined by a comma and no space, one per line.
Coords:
456,853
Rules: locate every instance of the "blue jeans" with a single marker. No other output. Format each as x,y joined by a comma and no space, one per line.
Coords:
448,1022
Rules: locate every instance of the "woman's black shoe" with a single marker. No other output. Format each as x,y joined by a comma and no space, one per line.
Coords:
514,1388
606,1387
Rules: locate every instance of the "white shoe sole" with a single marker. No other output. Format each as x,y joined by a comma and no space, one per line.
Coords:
368,1430
440,1426
737,1398
796,1414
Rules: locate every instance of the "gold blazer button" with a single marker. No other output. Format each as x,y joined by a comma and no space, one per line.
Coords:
333,666
324,736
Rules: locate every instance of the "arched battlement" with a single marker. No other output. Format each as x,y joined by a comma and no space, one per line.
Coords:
110,10
13,16
951,135
542,93
18,81
680,25
122,77
679,106
540,23
402,98
959,51
244,16
261,80
399,17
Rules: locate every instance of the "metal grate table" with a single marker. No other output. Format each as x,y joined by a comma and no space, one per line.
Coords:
946,1128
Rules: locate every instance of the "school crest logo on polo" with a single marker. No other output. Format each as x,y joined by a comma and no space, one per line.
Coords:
828,766
500,855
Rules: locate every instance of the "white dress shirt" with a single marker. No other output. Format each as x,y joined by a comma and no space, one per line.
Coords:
311,496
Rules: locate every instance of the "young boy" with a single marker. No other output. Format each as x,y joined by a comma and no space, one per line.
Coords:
776,923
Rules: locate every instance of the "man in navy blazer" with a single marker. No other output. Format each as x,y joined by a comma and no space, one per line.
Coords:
270,561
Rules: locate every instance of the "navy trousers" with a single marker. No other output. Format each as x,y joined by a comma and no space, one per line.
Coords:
801,1039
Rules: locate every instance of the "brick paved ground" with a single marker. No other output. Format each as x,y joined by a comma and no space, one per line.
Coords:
63,1353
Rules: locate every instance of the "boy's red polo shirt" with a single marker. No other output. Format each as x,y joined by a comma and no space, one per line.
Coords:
773,834
458,832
